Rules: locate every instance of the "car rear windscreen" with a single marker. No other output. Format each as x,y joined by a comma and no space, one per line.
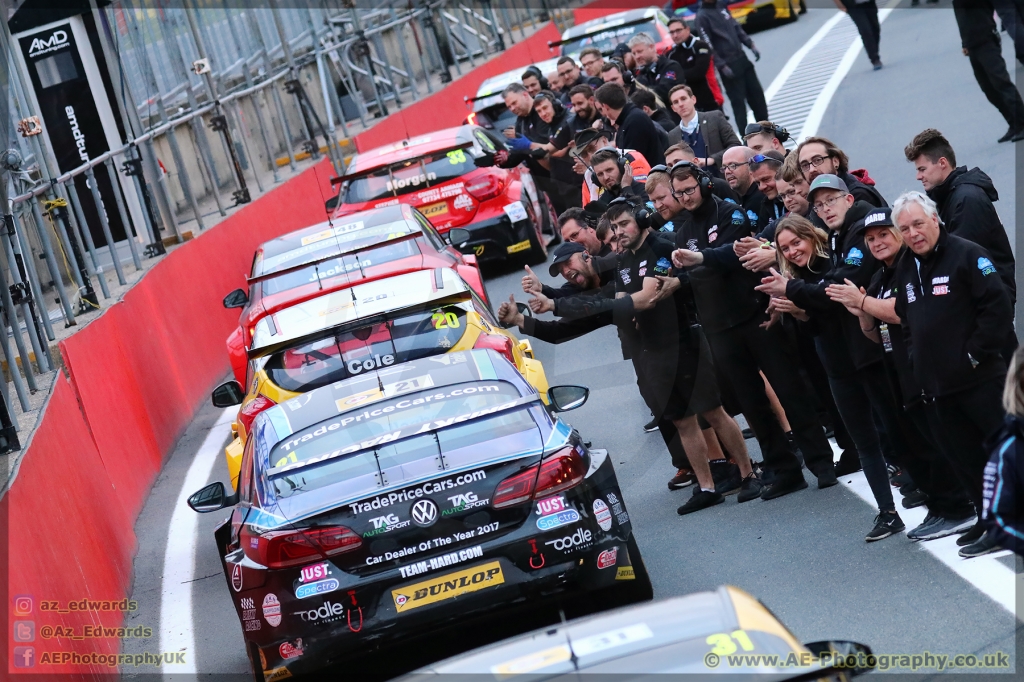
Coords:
342,265
410,176
607,40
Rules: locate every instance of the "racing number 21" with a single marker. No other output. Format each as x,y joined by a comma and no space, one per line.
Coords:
445,320
724,644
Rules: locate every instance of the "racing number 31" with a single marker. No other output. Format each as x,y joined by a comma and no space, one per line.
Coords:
725,644
445,320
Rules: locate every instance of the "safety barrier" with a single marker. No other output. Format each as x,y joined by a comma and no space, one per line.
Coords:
138,373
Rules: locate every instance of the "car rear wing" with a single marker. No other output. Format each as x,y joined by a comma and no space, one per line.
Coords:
388,166
331,256
378,318
587,34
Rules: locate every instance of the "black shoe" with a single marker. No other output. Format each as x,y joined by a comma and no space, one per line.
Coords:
986,545
935,527
784,484
827,479
886,524
701,499
908,488
971,536
651,425
914,499
726,476
1018,136
683,478
848,464
748,433
876,65
750,489
1010,132
898,477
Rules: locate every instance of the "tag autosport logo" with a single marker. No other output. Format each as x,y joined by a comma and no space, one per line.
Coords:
579,540
424,513
462,502
410,494
384,524
56,41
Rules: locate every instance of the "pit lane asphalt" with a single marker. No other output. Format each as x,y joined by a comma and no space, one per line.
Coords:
803,555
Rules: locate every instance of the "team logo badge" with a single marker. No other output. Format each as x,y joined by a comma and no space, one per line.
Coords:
424,513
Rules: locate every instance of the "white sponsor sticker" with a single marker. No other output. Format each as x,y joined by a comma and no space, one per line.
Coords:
515,212
272,610
611,639
602,515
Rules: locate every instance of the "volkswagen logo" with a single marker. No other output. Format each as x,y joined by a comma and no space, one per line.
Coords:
424,513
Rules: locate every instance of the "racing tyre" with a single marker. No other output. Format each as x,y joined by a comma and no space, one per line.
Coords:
803,6
641,588
538,252
794,11
255,665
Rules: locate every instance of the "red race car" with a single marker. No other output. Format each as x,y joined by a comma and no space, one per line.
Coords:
450,176
338,254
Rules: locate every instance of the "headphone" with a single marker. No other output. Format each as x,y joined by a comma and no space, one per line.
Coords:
627,75
641,214
704,180
555,104
776,130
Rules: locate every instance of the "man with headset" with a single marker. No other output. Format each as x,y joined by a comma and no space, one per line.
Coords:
764,136
588,142
615,176
732,312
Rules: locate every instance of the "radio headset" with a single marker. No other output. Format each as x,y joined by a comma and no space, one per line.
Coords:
641,214
702,176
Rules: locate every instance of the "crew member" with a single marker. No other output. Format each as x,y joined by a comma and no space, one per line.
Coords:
660,73
736,168
765,135
694,55
708,133
588,142
820,156
726,38
634,130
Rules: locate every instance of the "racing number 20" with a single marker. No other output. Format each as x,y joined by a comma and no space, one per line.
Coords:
445,320
724,644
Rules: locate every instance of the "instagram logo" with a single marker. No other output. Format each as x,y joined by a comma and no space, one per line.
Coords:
24,656
23,605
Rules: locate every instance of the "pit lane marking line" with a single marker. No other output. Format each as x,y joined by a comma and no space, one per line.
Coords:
986,573
176,632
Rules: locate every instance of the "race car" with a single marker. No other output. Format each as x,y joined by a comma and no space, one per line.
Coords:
753,14
725,632
342,334
413,497
489,110
608,32
450,176
335,255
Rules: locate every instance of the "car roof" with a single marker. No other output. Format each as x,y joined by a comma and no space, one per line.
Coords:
365,389
490,90
338,308
610,21
666,636
308,235
411,148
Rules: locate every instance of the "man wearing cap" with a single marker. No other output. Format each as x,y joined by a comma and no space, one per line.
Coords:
708,133
852,362
765,135
578,236
589,141
731,313
694,55
956,316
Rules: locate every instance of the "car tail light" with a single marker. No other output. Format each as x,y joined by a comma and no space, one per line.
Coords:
487,186
251,410
283,548
560,471
496,342
515,489
557,472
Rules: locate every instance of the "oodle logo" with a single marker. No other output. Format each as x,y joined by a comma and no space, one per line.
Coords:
330,611
578,540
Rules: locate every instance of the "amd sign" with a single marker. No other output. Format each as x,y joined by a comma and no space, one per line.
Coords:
39,46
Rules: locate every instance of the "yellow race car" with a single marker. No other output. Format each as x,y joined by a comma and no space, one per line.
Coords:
369,326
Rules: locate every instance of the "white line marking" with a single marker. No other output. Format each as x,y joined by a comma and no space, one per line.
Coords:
180,555
798,57
991,577
825,96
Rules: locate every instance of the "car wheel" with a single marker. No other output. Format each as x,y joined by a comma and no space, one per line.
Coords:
794,11
538,252
255,665
641,588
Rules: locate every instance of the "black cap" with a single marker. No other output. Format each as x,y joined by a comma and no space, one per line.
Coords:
879,217
588,135
562,254
620,51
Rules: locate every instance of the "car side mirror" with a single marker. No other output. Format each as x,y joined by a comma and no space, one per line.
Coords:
227,394
523,310
211,498
332,203
236,299
565,398
458,236
830,651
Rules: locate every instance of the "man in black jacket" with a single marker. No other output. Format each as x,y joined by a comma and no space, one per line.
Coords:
981,44
736,168
820,156
633,128
965,201
726,37
956,315
732,313
614,174
646,100
694,55
660,73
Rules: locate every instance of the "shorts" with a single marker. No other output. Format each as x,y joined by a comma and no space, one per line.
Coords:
680,381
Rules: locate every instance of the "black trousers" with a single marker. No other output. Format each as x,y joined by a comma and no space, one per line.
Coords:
990,72
1009,12
668,430
963,421
743,89
744,350
930,468
865,16
822,390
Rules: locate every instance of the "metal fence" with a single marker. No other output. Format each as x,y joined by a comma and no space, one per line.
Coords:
213,97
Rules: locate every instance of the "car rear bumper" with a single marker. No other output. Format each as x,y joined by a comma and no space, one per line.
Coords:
497,238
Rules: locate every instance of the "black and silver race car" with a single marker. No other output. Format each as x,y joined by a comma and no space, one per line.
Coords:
411,497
